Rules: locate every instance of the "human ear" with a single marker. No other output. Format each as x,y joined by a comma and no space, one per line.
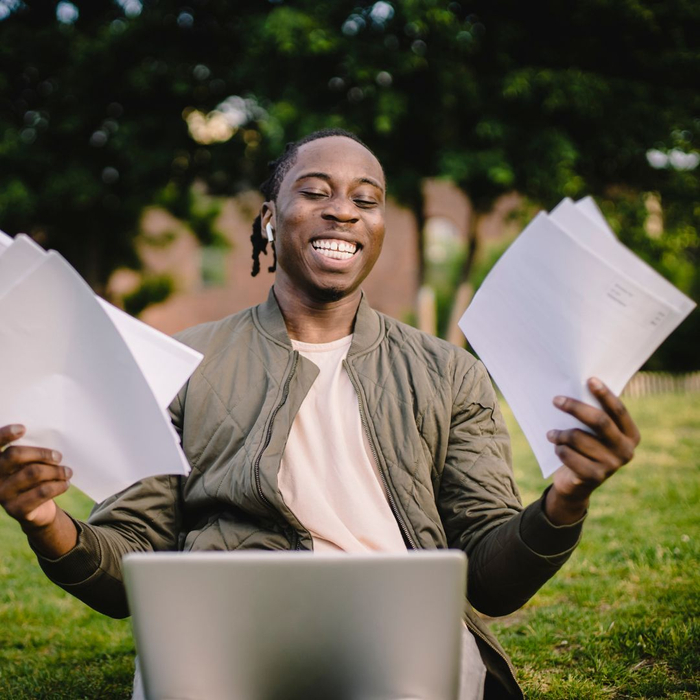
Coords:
267,219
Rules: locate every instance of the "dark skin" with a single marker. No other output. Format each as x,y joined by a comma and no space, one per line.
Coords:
588,459
30,478
334,194
335,191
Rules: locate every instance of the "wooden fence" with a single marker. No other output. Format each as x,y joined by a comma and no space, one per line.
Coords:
649,383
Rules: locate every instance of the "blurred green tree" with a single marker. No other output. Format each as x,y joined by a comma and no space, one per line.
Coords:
550,101
107,106
91,132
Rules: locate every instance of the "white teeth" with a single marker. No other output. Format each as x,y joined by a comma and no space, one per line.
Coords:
335,254
338,250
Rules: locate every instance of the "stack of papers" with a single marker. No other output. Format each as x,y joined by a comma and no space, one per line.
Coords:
566,302
84,377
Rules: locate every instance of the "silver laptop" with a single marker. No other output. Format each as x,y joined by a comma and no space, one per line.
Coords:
297,626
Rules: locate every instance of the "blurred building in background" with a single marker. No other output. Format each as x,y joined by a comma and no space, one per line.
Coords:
208,282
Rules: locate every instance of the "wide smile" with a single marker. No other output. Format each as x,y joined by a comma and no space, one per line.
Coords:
335,248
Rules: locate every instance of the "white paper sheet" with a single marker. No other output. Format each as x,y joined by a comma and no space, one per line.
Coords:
567,302
84,377
595,234
17,260
588,207
68,375
165,363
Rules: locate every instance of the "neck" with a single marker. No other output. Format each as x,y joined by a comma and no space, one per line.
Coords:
312,321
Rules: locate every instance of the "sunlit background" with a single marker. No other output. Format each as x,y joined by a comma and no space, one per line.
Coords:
133,136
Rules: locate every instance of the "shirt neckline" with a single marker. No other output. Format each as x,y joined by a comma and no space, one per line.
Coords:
322,347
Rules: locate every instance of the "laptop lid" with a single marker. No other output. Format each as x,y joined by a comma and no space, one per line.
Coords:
297,626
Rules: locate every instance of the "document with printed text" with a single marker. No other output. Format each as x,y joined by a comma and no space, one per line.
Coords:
566,302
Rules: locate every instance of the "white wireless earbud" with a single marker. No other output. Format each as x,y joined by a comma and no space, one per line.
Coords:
270,233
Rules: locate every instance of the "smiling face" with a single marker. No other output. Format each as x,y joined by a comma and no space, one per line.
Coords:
328,219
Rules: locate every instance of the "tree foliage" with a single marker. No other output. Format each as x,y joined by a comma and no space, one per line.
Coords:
90,123
550,100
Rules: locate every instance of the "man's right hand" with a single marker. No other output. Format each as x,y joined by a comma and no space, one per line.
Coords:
30,478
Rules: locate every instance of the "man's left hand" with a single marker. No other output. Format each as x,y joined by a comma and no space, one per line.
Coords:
588,459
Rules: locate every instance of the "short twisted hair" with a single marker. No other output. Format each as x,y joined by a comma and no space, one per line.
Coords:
271,187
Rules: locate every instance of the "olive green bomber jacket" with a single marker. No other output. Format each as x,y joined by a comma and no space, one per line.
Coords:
436,433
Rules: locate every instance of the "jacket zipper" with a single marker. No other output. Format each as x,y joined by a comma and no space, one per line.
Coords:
394,509
268,434
365,425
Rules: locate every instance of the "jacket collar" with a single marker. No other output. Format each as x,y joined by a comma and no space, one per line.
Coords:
368,331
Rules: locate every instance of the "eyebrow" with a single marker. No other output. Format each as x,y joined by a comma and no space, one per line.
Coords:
327,178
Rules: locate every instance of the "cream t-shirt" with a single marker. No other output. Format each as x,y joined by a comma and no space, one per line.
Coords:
330,480
328,476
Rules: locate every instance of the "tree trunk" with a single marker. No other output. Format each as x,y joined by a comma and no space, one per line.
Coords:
418,208
464,295
473,247
464,290
427,311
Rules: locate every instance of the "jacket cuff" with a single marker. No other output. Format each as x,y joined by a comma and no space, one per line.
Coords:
542,536
76,565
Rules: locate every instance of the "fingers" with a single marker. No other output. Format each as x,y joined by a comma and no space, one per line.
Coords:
14,458
33,475
29,476
598,421
32,485
584,471
614,407
611,424
590,462
22,506
591,458
587,445
8,433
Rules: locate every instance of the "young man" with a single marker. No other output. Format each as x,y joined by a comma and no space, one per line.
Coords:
315,422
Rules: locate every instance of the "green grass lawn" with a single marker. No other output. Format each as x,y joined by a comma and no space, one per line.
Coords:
619,621
622,618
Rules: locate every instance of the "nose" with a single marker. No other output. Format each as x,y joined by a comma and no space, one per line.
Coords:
340,208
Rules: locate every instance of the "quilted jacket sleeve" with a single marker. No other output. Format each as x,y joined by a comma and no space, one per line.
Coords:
144,517
512,551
